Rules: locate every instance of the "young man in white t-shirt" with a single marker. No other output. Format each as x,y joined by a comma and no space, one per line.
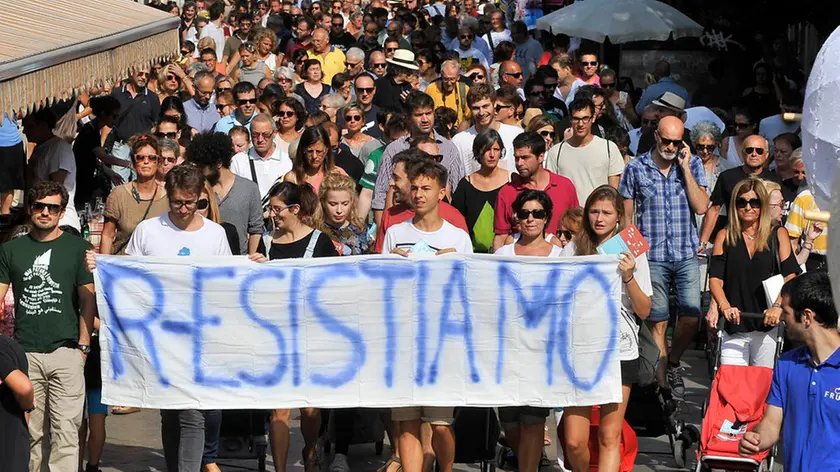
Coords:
426,232
179,232
482,99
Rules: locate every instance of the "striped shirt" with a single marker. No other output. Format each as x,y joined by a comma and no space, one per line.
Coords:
663,212
796,223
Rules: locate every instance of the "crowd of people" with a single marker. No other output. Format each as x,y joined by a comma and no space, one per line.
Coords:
319,129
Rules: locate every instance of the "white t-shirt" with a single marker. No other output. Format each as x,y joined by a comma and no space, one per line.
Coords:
49,157
572,91
470,57
497,38
628,336
160,237
405,235
210,30
267,170
510,250
588,167
464,142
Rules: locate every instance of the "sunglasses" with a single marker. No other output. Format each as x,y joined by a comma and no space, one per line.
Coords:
477,77
742,203
502,107
168,160
742,125
361,90
524,214
203,204
170,135
221,106
266,135
705,147
390,49
352,118
668,142
285,114
565,234
589,64
607,85
437,157
223,89
379,65
243,101
53,208
145,157
754,150
171,77
515,75
548,134
184,52
467,36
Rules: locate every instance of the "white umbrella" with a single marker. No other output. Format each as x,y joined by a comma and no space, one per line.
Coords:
622,20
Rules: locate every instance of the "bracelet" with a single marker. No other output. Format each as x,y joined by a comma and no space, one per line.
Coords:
777,305
721,307
629,280
808,246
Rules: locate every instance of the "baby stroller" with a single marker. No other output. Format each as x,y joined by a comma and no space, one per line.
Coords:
735,405
629,444
652,412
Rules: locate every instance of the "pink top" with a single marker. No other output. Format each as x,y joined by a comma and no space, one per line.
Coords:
315,182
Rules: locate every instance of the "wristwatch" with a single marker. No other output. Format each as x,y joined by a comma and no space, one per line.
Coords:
84,348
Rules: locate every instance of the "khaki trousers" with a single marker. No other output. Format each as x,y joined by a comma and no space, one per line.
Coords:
59,383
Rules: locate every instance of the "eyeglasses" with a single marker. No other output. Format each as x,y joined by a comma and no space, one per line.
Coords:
607,85
183,203
53,208
524,214
515,75
169,135
589,64
548,134
565,234
669,142
266,135
145,157
754,150
705,147
168,160
742,203
581,119
315,152
361,90
378,65
502,107
277,210
352,118
243,101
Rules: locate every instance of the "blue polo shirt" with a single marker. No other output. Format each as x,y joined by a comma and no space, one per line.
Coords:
227,122
810,399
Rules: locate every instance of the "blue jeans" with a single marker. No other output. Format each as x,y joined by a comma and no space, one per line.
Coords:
212,429
684,277
182,434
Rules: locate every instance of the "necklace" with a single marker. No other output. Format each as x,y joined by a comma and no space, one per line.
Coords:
751,237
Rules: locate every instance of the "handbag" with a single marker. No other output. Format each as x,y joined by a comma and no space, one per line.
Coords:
773,284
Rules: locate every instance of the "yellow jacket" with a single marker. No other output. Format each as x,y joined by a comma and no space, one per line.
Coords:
456,100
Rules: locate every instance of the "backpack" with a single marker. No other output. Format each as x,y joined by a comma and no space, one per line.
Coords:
648,354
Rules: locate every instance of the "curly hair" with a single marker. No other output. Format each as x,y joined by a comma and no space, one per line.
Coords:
336,182
47,188
141,140
209,149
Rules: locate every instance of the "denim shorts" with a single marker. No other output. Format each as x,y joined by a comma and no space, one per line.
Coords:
94,403
681,276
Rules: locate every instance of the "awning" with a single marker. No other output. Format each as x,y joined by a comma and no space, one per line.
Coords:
50,49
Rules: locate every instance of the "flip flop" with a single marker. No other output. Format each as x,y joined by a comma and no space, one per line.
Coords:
124,410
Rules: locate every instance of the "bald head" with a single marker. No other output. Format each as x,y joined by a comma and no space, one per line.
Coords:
506,69
321,41
755,152
669,137
671,127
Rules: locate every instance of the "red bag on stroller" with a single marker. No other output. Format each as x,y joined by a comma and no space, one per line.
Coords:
629,443
736,405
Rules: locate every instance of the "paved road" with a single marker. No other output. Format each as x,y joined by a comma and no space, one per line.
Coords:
134,445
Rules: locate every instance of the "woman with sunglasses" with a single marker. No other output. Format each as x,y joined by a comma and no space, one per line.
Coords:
748,251
622,102
313,159
354,118
136,201
290,119
299,59
313,88
744,126
545,127
475,197
706,138
571,223
602,217
171,83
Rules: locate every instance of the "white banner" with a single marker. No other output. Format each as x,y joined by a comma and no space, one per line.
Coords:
371,331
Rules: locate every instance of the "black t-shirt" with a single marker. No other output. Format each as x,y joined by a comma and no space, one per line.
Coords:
351,164
728,179
791,189
86,141
14,434
137,114
343,42
388,93
296,250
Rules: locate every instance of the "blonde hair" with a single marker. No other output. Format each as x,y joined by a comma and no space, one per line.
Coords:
213,213
771,186
205,43
337,182
733,231
265,33
795,157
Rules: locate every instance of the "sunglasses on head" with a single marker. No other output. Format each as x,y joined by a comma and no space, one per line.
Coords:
589,64
524,214
705,147
170,135
53,208
349,118
754,150
742,203
243,101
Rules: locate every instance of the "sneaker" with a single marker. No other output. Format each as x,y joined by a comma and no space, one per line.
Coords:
675,381
92,467
339,464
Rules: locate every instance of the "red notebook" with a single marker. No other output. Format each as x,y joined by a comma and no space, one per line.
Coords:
630,239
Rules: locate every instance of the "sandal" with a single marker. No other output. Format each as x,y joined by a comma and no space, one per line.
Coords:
124,410
393,464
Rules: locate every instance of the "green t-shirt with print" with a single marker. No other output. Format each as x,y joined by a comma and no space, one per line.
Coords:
368,180
45,277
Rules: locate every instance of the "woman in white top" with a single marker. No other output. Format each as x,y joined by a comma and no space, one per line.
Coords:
730,149
602,215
